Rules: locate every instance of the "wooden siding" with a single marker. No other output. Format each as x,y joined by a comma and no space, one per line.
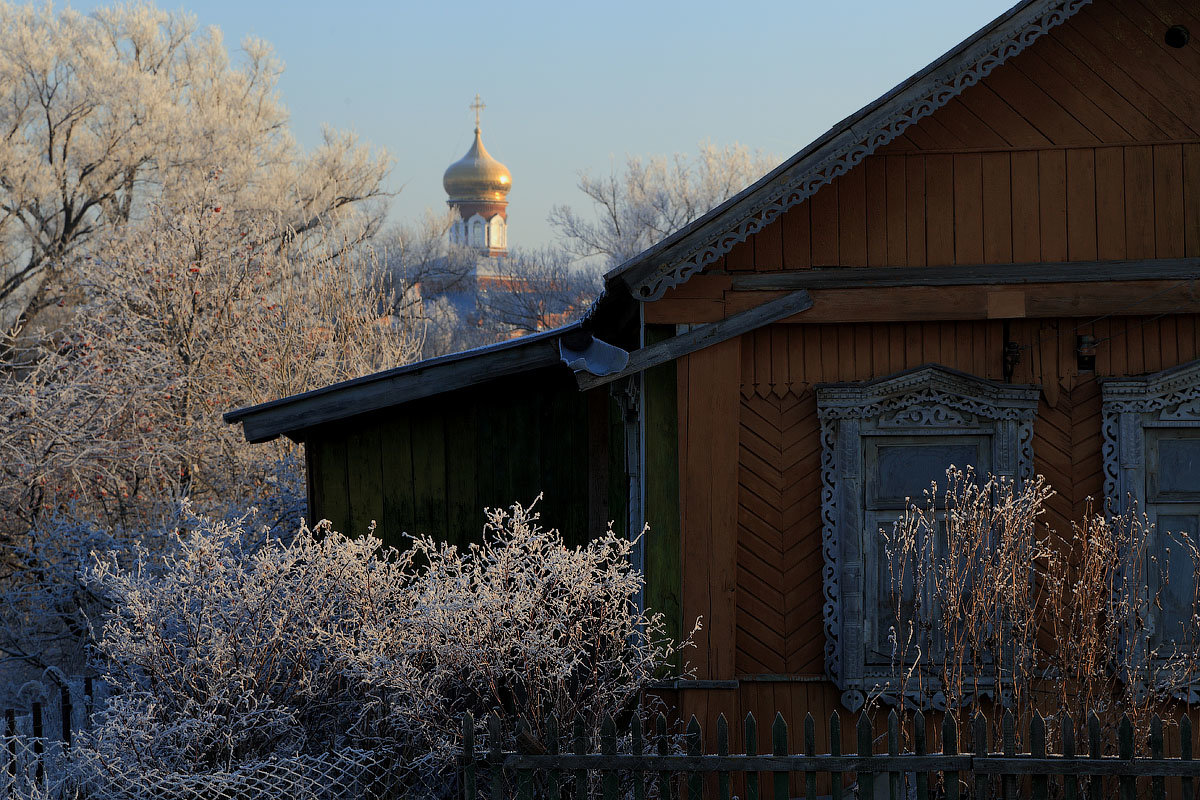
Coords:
432,466
1063,153
775,541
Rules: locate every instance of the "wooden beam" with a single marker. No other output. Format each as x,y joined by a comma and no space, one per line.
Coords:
933,303
385,389
756,316
970,275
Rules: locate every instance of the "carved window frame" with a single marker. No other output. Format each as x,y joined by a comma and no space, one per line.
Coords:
927,400
1130,407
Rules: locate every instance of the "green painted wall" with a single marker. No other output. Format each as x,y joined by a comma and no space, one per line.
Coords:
432,466
663,549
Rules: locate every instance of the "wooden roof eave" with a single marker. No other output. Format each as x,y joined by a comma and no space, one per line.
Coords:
292,416
681,255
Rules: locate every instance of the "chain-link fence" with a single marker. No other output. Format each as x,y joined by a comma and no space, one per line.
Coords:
42,769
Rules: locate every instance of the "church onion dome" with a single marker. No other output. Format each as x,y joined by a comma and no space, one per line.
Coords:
477,176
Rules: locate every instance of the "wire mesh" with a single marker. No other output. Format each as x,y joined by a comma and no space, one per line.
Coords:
41,769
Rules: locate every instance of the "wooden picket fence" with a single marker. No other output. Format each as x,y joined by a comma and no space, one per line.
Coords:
653,767
37,726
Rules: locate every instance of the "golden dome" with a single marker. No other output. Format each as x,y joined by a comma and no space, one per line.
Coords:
477,176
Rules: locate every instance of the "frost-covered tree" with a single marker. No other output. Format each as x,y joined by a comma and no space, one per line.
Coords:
102,113
653,198
110,421
537,289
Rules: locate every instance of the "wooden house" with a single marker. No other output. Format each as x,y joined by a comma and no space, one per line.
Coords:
994,262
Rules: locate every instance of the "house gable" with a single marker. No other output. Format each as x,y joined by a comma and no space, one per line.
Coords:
1075,148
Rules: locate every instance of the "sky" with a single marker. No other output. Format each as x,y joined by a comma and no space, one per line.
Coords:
578,86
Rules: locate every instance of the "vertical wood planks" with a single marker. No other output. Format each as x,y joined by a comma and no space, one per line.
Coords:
835,749
1026,212
1081,204
921,747
580,742
997,208
810,749
968,209
1052,204
1139,208
665,784
979,746
468,753
609,783
950,748
1188,785
779,747
495,756
751,742
1037,749
1070,782
866,776
708,489
1125,750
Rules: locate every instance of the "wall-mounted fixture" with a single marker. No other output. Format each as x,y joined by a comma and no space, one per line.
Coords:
1085,353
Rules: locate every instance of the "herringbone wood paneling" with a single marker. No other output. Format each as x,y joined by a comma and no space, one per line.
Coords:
779,536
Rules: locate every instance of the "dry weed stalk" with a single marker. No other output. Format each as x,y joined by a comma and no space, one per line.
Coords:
991,605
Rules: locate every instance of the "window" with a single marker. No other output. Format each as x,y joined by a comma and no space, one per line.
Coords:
881,442
1151,427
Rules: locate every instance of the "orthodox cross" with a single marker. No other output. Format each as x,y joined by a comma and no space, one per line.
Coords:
477,106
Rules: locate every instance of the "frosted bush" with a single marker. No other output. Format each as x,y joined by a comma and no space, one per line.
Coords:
325,642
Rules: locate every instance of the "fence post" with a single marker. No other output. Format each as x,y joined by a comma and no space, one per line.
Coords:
1037,749
893,744
866,776
921,747
779,747
638,747
1070,782
1125,750
1185,753
751,750
835,749
524,776
666,790
496,756
1095,750
722,750
1008,730
470,791
810,750
979,745
581,748
608,746
950,748
1157,783
552,747
695,781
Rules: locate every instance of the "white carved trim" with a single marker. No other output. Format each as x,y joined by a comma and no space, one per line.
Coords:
1170,398
748,218
930,398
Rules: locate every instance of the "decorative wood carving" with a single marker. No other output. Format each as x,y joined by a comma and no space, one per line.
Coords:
811,173
929,399
1170,398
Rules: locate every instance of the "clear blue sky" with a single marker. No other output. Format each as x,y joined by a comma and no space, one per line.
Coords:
576,86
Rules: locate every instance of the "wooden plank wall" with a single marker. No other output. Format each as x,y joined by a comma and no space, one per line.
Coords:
776,625
433,466
1064,153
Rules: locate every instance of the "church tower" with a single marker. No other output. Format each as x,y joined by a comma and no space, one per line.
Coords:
477,186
